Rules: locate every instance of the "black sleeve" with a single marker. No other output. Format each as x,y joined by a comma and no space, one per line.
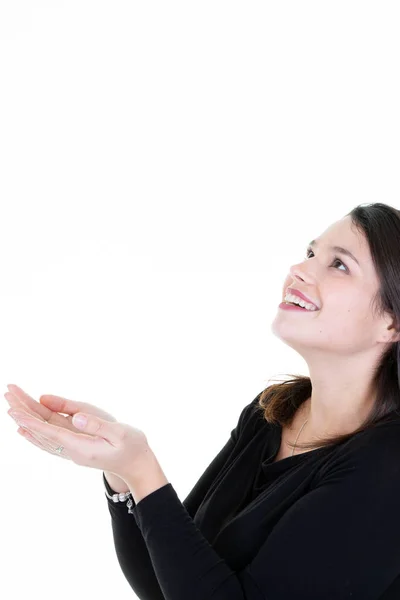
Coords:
131,550
340,541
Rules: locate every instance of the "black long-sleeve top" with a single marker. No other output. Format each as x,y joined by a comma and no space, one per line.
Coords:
324,524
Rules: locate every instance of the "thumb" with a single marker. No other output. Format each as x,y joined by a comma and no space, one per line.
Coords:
80,420
59,404
98,427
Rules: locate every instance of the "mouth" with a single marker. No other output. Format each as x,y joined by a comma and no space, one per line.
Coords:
299,295
294,306
287,303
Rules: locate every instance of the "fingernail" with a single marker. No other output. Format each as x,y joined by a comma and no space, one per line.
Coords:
79,420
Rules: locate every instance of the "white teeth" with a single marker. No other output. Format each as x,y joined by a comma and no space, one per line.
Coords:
297,300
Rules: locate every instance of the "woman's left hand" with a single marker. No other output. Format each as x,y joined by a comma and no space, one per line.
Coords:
115,447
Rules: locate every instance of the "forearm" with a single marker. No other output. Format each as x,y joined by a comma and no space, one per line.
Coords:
146,479
130,548
117,484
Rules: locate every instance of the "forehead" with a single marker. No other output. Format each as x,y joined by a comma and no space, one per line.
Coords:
344,233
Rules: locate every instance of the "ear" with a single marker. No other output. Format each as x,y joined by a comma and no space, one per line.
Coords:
392,333
395,332
395,337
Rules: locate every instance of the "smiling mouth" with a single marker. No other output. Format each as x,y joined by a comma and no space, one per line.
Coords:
301,307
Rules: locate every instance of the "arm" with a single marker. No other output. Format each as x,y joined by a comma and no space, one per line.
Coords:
340,540
131,550
116,483
153,477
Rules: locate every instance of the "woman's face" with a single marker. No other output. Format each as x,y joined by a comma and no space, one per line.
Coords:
343,289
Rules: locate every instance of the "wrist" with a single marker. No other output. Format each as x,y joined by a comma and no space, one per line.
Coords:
145,478
116,483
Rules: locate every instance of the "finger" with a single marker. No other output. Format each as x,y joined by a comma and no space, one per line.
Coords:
55,404
111,432
53,418
102,430
18,405
40,443
44,443
29,402
63,405
14,402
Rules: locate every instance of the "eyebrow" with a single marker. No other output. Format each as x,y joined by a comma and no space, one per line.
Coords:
339,250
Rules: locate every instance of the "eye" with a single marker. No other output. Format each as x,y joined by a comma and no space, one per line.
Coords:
336,259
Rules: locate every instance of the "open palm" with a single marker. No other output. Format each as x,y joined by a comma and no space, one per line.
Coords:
50,409
98,443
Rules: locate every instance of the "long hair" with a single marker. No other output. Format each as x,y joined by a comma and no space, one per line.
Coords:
279,402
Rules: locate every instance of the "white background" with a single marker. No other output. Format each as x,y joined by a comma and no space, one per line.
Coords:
162,166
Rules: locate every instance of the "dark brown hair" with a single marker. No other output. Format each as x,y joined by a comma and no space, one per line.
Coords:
380,225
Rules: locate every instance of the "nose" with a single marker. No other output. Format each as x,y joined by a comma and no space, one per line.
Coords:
299,272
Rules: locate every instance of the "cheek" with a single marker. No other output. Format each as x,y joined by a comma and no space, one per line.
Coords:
362,317
354,309
348,319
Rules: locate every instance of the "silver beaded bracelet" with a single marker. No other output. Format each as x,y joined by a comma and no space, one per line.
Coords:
121,497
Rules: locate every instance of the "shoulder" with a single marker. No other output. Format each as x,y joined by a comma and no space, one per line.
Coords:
251,417
373,454
381,441
381,445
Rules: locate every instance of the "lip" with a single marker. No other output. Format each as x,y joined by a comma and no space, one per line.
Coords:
302,296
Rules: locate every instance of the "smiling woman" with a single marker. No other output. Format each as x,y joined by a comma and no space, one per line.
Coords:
351,344
337,494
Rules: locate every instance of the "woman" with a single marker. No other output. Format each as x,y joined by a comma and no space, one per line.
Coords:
303,500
